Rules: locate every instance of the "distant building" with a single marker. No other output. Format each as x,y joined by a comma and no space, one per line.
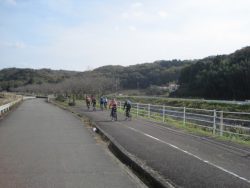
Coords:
171,87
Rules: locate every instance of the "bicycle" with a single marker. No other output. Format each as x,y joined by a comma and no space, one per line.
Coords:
128,115
105,106
113,114
88,105
94,108
101,106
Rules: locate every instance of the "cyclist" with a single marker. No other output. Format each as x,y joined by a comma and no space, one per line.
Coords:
105,102
113,106
101,103
93,101
87,100
127,105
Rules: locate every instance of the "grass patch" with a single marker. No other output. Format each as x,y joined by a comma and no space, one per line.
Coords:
6,98
200,104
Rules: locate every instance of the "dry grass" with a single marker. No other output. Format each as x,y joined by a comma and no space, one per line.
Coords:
7,97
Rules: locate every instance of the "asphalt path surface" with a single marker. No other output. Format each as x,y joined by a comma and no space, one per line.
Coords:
43,146
185,159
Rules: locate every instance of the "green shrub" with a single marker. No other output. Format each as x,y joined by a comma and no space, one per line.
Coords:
71,103
61,98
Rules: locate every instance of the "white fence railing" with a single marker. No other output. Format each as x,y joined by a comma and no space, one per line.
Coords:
219,122
6,107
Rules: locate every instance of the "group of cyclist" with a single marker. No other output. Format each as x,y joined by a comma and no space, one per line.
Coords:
112,104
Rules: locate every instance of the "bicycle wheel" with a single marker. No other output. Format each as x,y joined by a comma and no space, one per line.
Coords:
129,117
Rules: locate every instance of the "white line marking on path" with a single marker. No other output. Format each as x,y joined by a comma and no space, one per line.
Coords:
195,156
224,146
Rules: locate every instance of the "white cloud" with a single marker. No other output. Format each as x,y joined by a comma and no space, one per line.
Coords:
136,5
137,15
134,12
11,2
125,15
134,15
145,14
117,28
162,14
61,6
132,28
18,45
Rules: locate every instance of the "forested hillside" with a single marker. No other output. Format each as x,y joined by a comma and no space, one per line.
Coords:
13,77
137,76
142,76
218,77
214,77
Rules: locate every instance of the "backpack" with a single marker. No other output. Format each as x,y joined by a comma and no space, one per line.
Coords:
128,104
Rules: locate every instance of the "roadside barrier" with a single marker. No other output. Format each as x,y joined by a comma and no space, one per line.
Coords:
6,107
218,122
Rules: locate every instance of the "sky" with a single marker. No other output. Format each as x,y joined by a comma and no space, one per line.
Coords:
85,34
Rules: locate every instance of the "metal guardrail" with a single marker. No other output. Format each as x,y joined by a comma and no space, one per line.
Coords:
28,97
219,122
6,107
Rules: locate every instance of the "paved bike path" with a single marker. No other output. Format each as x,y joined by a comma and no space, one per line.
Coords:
43,146
187,160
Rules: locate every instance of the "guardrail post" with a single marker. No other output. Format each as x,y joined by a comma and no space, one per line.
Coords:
184,116
221,123
163,114
137,109
148,110
214,123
